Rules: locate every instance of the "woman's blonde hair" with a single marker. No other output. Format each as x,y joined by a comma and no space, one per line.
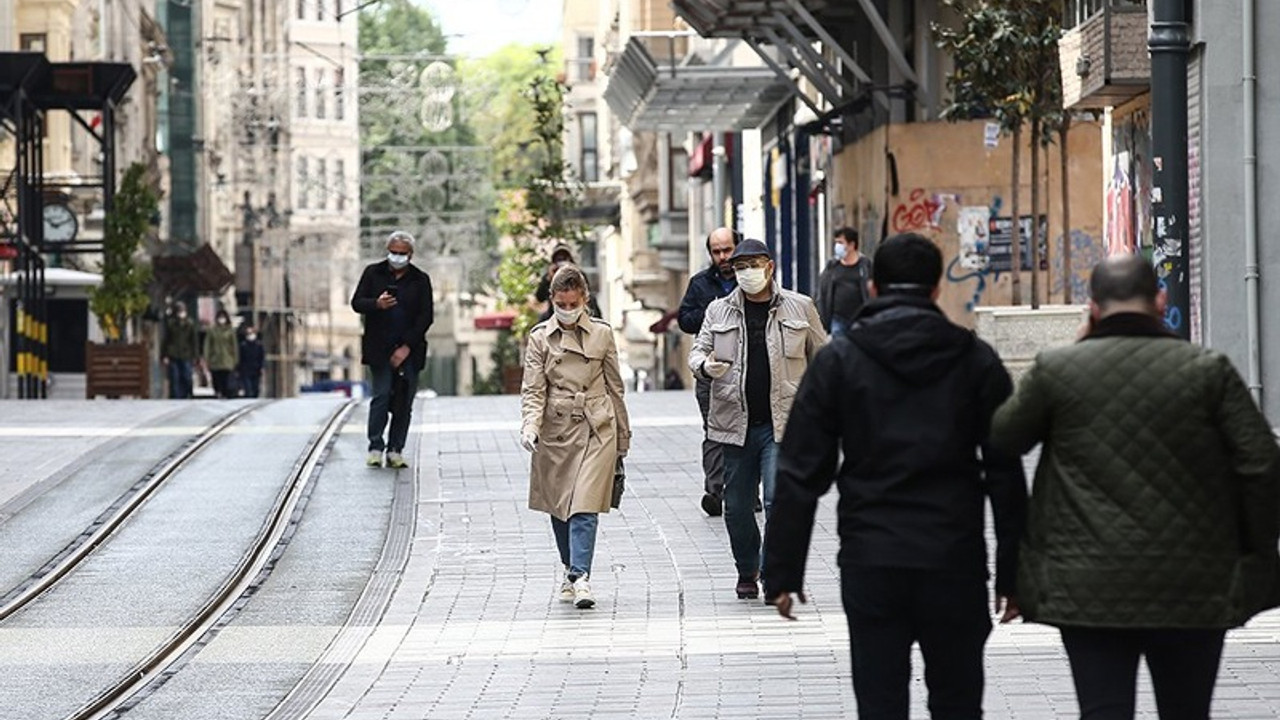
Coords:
568,278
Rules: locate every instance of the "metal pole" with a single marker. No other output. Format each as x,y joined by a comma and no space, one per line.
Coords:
1170,43
1252,272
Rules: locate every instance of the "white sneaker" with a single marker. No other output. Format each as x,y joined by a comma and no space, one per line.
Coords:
374,459
566,590
582,597
396,460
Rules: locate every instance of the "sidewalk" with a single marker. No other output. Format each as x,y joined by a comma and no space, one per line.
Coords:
473,629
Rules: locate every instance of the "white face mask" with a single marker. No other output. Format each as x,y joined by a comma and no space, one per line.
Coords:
569,317
753,280
251,337
839,250
397,260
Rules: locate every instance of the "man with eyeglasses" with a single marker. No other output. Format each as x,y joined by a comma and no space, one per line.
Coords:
711,284
753,348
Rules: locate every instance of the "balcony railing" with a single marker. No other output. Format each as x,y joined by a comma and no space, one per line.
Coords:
1104,59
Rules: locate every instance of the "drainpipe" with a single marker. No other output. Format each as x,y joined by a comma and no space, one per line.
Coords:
1251,267
719,179
1170,43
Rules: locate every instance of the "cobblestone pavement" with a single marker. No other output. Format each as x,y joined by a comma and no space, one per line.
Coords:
473,630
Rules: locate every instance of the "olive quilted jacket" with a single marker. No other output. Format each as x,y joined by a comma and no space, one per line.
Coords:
1156,502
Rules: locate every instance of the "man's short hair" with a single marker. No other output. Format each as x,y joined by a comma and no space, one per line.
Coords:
737,238
849,235
1123,277
401,236
907,264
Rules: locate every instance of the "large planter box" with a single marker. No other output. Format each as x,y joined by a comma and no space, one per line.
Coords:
1018,333
117,370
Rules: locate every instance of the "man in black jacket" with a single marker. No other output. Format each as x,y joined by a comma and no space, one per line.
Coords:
395,299
710,284
908,396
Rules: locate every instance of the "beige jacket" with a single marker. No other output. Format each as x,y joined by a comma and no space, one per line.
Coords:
793,335
571,398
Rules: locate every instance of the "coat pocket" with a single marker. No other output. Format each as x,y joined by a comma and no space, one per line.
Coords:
795,333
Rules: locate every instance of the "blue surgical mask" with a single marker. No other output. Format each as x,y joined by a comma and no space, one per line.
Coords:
397,260
839,250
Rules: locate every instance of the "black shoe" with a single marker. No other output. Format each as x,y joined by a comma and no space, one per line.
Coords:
712,505
747,589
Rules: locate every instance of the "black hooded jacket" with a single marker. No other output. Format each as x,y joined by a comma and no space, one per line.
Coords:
908,396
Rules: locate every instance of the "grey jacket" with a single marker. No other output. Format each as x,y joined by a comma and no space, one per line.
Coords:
793,335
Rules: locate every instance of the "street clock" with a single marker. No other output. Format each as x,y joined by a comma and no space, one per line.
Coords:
60,224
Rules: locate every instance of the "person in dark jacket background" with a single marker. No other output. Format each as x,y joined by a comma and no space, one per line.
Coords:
1155,511
713,283
844,285
908,396
253,360
394,297
561,256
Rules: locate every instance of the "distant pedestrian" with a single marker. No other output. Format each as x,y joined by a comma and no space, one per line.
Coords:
844,286
253,361
221,353
1154,512
712,283
754,347
179,350
561,256
574,421
908,397
394,297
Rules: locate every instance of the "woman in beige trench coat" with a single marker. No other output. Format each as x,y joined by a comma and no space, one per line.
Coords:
575,423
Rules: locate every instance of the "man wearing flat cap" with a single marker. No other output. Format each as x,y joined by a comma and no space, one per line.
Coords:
754,346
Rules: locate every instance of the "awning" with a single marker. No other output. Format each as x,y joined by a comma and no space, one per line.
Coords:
791,27
500,320
650,90
201,272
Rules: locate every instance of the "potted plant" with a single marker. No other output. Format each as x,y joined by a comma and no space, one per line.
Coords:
119,367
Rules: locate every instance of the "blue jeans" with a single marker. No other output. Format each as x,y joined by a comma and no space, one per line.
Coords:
179,379
745,467
576,540
392,395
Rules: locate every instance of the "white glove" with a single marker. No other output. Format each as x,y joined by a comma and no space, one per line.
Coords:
715,368
529,440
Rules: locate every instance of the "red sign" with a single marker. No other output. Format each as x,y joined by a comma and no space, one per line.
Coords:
8,251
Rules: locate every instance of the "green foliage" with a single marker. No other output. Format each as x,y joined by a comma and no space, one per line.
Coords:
123,295
539,214
499,112
1005,55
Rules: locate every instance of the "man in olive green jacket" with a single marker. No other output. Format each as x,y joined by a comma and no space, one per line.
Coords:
1155,510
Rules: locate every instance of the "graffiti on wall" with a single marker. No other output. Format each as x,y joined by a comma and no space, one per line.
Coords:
1085,253
973,261
1119,207
920,213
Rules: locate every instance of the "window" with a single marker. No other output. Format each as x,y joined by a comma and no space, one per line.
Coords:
337,9
339,94
678,180
340,184
320,91
584,63
300,93
320,8
589,165
322,197
304,183
33,42
302,9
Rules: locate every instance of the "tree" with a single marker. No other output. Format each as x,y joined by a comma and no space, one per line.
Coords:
1005,55
122,296
499,112
538,214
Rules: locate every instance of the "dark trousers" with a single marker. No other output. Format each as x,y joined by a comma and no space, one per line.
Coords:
252,382
393,394
888,610
222,383
712,451
1104,665
179,379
